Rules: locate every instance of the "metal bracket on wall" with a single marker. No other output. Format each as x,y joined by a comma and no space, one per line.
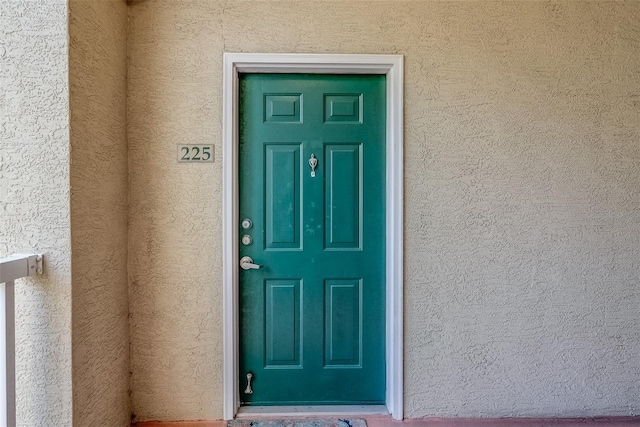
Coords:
20,265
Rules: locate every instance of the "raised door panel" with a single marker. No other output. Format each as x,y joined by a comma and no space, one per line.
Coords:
343,323
343,196
283,324
283,108
283,196
343,108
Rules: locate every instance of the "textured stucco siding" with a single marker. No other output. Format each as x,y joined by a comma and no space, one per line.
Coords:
99,193
34,200
522,200
175,265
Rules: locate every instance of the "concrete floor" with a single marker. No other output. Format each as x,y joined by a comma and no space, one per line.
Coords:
385,421
505,422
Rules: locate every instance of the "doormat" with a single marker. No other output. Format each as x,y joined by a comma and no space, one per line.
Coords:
331,422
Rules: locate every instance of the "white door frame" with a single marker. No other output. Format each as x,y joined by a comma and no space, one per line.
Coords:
392,67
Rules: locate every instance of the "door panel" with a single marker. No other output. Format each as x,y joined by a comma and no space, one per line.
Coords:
343,328
282,108
282,196
343,187
312,325
283,323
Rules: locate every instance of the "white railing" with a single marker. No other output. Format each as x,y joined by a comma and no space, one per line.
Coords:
11,268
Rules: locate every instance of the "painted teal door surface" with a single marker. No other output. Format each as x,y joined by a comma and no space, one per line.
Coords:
312,184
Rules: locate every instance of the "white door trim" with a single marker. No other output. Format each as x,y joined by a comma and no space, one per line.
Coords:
392,67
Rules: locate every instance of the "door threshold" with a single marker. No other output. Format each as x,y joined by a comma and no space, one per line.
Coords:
252,412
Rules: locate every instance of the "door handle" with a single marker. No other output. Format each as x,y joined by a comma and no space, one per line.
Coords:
246,263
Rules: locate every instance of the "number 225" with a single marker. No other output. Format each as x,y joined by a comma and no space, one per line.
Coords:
196,153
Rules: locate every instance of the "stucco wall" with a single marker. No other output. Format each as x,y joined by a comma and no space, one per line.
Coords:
99,190
522,197
34,200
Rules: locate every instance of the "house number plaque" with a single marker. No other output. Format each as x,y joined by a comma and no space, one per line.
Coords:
195,153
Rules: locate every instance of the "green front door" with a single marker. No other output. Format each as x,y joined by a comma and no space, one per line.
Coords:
312,215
